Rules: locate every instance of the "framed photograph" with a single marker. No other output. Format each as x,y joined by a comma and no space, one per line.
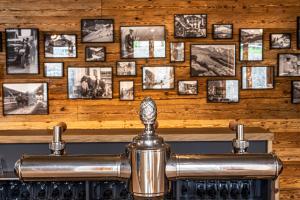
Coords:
60,46
280,40
177,51
54,69
1,45
190,26
25,98
295,91
223,91
298,32
187,87
251,44
126,68
126,90
22,51
258,77
222,31
97,30
90,83
212,60
289,64
95,54
158,77
143,42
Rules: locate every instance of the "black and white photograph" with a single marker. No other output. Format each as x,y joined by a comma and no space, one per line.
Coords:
223,91
25,98
1,45
97,30
158,77
280,40
190,26
298,32
212,60
54,69
90,82
222,31
126,68
177,52
187,87
60,46
22,51
289,64
251,44
126,90
295,91
257,77
95,54
143,42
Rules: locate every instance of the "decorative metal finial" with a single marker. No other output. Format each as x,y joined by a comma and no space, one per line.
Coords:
148,114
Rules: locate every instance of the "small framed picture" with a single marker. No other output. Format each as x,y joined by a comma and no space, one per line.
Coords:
280,40
126,90
97,30
25,98
223,91
190,26
187,87
1,44
177,51
95,54
158,77
54,69
289,64
22,51
222,31
298,32
258,77
60,46
295,91
251,44
126,68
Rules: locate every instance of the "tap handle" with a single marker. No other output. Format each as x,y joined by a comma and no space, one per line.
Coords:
148,111
57,146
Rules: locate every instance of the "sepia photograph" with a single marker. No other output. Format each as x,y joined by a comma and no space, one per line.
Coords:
298,32
295,91
126,68
126,90
222,31
97,30
258,77
289,64
60,46
22,51
25,98
223,91
251,44
54,69
280,40
158,77
187,87
143,42
95,54
90,83
212,60
190,26
177,51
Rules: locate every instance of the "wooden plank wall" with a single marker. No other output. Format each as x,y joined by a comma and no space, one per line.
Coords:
270,109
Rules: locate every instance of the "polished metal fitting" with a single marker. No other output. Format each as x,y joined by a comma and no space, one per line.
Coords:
148,115
57,146
240,144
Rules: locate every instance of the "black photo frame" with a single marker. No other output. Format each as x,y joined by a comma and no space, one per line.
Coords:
92,52
122,68
60,43
173,53
295,92
53,74
221,34
277,40
219,92
183,29
269,70
189,86
288,64
246,32
149,76
91,30
298,32
121,91
1,43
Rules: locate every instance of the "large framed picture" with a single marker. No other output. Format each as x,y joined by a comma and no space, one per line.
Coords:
158,77
25,98
289,64
222,31
190,26
60,46
90,83
295,91
22,51
177,52
54,69
251,44
187,87
143,42
97,30
298,32
223,91
258,77
126,90
280,40
212,60
126,68
95,54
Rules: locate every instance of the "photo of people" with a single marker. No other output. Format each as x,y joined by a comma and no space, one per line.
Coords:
190,26
222,31
177,51
22,51
280,40
60,46
94,54
158,77
54,69
126,90
126,68
251,44
187,87
289,64
295,91
90,82
97,30
259,77
223,91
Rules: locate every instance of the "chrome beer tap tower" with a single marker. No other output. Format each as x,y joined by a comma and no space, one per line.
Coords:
148,163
